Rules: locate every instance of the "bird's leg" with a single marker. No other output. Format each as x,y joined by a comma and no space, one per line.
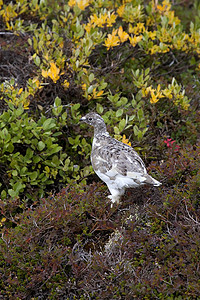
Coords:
115,196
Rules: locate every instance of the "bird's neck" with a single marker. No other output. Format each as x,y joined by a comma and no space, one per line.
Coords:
100,138
100,129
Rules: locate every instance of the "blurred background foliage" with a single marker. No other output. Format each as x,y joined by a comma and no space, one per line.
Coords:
137,64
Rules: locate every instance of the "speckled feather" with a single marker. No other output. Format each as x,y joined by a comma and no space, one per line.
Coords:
116,163
112,152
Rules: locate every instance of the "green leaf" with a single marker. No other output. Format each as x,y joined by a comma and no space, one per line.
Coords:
55,149
64,116
41,146
114,98
90,89
140,114
3,194
14,173
135,130
9,147
119,112
48,124
91,77
116,130
12,193
147,71
37,61
19,111
5,116
71,140
33,175
140,135
99,108
36,159
23,171
29,41
133,103
76,106
123,101
57,102
122,124
29,154
4,133
18,186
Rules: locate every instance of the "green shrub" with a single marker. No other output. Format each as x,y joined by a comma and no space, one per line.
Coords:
31,157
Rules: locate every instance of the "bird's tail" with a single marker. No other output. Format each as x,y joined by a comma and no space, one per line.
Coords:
150,180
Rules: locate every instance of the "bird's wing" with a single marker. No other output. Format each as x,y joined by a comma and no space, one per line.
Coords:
129,161
117,158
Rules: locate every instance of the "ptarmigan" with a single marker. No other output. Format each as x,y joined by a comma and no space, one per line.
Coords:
116,163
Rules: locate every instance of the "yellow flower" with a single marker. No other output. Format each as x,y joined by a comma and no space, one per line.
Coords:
120,10
154,49
153,98
146,91
20,91
61,44
167,93
84,86
99,21
65,84
158,49
26,105
165,6
98,95
3,220
125,140
111,19
151,34
136,29
112,40
172,18
36,81
95,94
71,3
88,26
82,4
134,40
105,19
9,13
122,35
159,93
44,73
185,106
155,94
53,72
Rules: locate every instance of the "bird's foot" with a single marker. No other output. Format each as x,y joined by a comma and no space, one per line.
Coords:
113,199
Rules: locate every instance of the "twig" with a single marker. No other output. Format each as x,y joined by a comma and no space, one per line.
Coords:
6,33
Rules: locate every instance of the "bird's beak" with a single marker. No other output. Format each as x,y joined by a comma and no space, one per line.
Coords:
82,119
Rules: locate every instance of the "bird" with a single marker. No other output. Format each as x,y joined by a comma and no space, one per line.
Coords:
115,163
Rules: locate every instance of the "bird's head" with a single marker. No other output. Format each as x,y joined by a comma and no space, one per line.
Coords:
94,120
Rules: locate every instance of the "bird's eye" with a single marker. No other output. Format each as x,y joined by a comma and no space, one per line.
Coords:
90,119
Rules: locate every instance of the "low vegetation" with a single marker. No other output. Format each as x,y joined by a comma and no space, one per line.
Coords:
137,64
